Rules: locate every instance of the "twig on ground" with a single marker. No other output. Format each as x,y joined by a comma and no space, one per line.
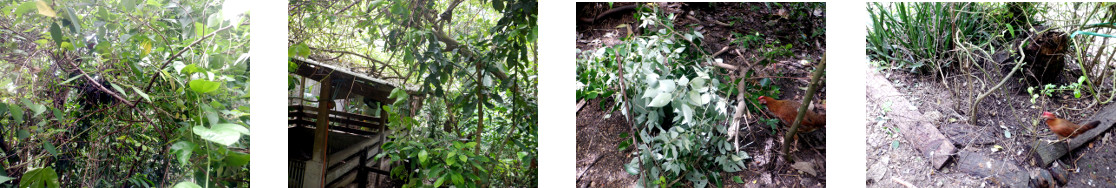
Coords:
904,183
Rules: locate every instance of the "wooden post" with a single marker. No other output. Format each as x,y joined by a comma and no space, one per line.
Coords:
321,136
1046,152
383,136
362,171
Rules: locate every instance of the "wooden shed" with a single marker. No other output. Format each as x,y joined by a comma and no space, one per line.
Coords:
335,131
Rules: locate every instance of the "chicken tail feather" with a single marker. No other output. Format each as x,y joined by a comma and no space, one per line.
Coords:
1090,125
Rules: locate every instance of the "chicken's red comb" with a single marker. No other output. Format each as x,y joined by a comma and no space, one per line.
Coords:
1047,114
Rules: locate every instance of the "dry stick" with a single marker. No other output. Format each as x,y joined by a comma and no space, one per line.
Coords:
740,108
171,59
901,182
813,88
1018,64
722,64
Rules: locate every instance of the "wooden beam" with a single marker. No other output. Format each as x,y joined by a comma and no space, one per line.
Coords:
321,131
1045,152
916,129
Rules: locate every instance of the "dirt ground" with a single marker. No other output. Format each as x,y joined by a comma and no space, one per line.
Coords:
1007,116
599,164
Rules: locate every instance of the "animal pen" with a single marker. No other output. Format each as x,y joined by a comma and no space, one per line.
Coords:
349,126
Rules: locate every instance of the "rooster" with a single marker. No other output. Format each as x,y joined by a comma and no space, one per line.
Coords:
786,110
1064,128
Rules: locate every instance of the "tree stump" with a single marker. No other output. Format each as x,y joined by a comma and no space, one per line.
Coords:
1045,57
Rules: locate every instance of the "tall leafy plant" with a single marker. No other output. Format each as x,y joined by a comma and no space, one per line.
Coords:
142,93
675,104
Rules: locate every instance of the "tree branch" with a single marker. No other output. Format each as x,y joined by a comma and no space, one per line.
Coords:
171,59
813,88
99,86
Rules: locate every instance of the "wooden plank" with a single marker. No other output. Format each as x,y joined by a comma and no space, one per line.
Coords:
292,109
373,126
915,129
310,114
340,166
1045,152
1000,173
969,135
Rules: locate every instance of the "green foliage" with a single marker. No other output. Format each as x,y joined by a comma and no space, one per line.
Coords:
748,41
168,73
40,177
472,66
596,79
1048,90
663,76
912,34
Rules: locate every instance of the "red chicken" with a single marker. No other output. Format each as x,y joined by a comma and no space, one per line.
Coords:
786,110
1064,128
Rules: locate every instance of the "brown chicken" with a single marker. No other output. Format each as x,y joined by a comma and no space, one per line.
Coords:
1064,128
786,110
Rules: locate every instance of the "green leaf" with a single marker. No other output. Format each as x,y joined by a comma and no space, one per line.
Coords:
498,5
40,177
450,160
687,113
25,7
422,156
118,89
36,109
695,98
214,20
190,69
183,149
737,179
23,134
141,94
56,33
186,184
697,83
236,159
633,167
661,100
223,133
203,86
667,86
210,114
298,50
199,29
441,179
17,113
49,147
5,179
457,178
69,80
